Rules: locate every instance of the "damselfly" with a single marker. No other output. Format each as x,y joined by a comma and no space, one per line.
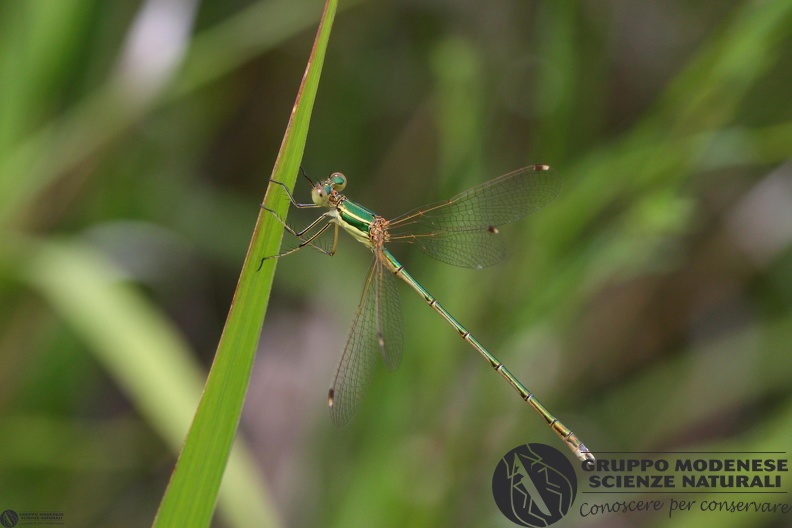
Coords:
462,231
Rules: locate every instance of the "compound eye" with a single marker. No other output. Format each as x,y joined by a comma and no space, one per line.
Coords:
319,194
338,181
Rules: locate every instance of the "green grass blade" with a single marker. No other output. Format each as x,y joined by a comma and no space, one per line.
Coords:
192,492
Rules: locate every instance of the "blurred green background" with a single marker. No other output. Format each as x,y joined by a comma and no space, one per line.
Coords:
649,306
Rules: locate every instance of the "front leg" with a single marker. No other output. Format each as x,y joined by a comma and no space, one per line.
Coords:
294,202
308,242
289,228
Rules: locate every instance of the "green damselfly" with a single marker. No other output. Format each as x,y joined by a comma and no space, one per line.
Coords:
462,231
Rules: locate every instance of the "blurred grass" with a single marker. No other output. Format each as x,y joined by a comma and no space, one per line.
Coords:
648,306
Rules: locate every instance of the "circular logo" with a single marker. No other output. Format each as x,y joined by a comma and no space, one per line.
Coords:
534,485
9,518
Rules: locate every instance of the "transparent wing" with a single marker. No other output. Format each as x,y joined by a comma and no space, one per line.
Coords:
462,230
377,327
467,249
389,330
493,203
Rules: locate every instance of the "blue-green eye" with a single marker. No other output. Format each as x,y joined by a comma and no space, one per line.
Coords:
338,181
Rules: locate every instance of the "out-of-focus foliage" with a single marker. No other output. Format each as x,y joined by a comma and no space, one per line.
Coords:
649,306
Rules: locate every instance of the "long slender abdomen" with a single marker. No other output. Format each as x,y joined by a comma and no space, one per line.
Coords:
563,432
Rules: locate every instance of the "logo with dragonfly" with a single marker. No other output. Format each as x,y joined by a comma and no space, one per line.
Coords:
9,518
534,485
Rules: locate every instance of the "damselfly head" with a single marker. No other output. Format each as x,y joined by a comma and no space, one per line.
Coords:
325,192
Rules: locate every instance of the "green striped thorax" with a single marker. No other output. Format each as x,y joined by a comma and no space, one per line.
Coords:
352,217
